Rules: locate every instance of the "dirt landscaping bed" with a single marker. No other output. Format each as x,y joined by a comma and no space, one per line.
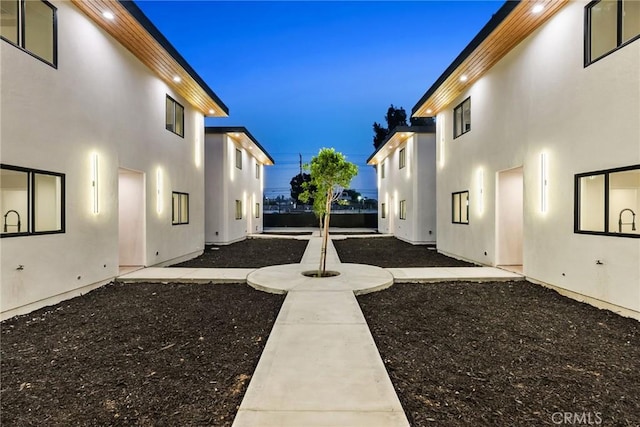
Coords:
250,253
389,252
505,354
137,354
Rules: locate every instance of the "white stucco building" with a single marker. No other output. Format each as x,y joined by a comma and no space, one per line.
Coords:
406,178
234,184
538,148
102,149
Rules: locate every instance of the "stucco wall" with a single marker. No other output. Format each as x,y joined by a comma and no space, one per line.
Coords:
415,183
102,100
540,98
235,184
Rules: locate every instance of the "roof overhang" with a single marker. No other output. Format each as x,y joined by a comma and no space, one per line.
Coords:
133,30
511,24
397,136
243,138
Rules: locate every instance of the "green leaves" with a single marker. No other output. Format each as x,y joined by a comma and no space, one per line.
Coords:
331,172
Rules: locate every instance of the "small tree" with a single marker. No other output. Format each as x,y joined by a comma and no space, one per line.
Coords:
331,173
297,186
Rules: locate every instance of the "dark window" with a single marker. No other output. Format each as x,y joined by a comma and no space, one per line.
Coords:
402,158
460,207
382,174
257,170
257,210
180,208
608,202
31,26
238,209
609,25
403,209
383,210
462,118
32,201
238,159
175,117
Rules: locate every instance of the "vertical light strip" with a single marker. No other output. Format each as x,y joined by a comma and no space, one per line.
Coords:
543,183
159,201
480,178
94,182
198,148
441,148
408,155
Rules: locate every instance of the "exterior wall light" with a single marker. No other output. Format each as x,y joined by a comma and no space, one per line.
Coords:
480,179
543,183
94,183
159,201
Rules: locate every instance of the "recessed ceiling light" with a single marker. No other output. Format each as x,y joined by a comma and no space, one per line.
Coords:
177,79
429,111
211,111
463,78
537,8
108,15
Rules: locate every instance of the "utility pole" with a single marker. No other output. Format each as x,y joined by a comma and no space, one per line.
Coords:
300,154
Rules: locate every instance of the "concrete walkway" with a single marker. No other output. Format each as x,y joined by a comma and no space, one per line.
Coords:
320,366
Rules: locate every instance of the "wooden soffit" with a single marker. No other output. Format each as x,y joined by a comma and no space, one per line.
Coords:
495,40
131,28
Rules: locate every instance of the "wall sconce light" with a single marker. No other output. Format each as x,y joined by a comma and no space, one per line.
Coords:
543,183
441,148
94,182
480,178
159,200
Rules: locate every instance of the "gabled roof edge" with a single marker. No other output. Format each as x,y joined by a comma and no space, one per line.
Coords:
493,23
139,15
237,129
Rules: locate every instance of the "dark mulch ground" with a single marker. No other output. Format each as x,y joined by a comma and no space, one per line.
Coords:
250,253
143,354
388,252
505,354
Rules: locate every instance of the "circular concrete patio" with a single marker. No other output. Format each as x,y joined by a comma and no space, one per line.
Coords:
359,278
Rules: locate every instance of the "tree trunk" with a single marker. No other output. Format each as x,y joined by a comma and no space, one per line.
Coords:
325,237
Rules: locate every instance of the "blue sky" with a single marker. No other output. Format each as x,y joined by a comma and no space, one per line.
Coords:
303,75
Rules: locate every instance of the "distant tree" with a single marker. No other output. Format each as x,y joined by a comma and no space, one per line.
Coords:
297,184
379,134
395,117
330,174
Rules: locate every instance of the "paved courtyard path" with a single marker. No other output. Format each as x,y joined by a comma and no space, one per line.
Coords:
320,366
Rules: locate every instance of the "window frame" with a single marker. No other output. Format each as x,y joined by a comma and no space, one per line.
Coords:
402,210
455,121
166,125
21,33
402,158
587,33
238,158
238,209
173,212
576,202
453,204
31,201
